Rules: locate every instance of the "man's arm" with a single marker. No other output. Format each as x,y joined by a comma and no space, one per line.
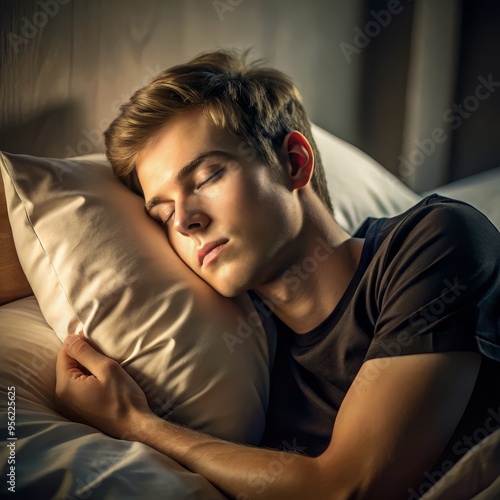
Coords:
393,424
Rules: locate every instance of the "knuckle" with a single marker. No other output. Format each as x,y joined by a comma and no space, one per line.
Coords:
110,366
78,348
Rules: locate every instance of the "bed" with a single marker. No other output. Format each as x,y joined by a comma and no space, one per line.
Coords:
80,255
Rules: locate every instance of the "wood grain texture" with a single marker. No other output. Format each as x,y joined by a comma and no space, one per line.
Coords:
63,85
13,282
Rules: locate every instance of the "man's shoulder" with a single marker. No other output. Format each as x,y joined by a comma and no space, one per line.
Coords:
438,220
440,247
452,214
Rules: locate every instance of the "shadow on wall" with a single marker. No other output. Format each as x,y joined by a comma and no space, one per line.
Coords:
37,133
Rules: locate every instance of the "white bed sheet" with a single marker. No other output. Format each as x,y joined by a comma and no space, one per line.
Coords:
59,459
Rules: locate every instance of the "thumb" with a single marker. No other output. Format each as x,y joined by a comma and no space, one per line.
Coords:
85,354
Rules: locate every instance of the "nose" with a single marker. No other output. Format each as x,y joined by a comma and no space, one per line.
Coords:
188,222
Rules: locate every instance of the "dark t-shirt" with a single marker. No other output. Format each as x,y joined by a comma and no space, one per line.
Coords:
428,281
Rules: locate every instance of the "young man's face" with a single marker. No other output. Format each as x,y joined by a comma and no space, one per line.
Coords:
228,216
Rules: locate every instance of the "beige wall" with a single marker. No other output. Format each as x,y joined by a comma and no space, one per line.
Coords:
63,85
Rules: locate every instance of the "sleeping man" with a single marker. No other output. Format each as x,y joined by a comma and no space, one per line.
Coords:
388,353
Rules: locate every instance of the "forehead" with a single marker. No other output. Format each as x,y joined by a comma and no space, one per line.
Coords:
183,138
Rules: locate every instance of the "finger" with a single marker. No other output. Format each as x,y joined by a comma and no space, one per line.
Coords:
66,365
64,361
66,370
85,354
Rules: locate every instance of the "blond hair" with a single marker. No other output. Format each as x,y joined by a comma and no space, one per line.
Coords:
258,104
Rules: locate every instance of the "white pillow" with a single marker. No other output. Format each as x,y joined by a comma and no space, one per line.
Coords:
98,264
57,458
358,185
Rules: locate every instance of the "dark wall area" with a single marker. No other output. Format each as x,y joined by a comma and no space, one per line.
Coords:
476,142
67,65
384,83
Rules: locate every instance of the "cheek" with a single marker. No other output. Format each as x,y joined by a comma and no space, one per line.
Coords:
181,245
269,205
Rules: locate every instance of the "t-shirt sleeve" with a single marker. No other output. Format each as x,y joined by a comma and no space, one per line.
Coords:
439,284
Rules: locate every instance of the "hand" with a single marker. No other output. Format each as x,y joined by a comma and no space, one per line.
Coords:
94,389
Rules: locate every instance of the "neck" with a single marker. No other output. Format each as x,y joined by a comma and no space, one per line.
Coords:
310,287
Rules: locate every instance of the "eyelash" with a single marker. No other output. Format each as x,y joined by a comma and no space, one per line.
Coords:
212,178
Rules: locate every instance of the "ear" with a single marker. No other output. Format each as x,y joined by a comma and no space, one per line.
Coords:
299,157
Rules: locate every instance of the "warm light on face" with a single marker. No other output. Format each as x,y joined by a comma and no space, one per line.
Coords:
227,216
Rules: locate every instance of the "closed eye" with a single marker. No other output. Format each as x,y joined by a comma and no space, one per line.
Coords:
212,178
165,222
157,214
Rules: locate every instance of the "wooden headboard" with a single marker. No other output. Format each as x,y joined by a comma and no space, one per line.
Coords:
13,282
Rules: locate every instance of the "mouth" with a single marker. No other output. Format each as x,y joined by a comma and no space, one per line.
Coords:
210,251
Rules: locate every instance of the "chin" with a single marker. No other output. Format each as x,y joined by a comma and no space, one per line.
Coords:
229,291
229,288
229,281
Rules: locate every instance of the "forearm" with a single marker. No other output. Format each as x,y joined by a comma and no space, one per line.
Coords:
239,471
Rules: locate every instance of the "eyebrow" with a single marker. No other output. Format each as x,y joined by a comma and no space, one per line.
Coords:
186,170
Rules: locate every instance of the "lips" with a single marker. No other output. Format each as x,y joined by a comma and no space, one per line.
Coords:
208,248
